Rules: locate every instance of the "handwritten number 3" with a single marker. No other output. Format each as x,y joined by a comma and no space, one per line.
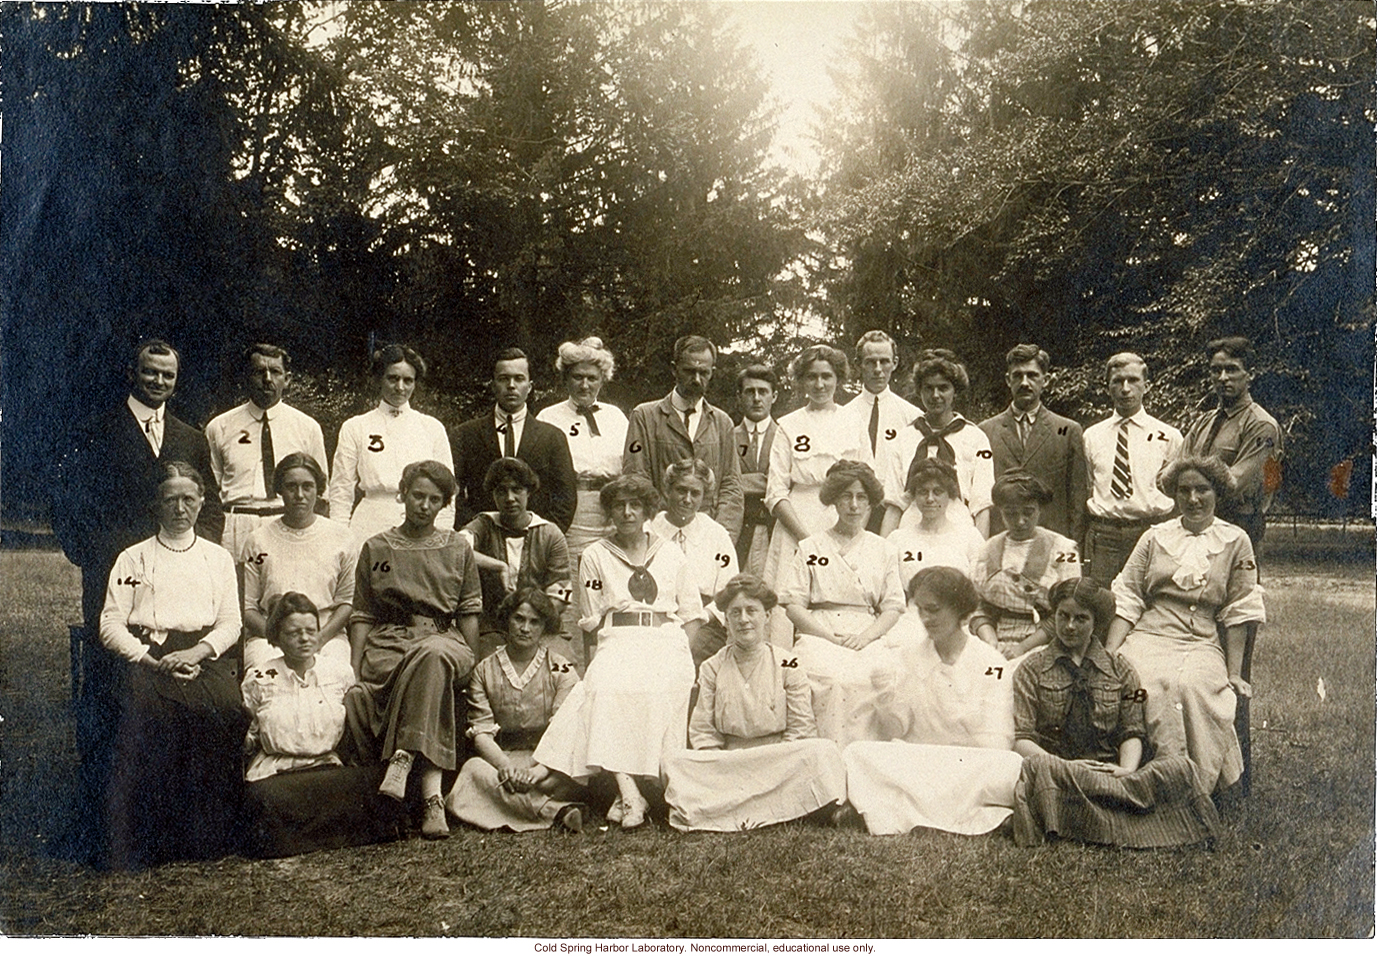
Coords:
375,443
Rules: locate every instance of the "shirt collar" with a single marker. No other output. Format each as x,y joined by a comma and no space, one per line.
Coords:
1031,415
394,411
142,412
873,398
256,413
499,416
758,428
1232,412
1138,418
578,409
1095,654
681,404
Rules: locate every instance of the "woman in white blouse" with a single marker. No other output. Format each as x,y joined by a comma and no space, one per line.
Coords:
171,611
596,432
808,441
374,448
300,796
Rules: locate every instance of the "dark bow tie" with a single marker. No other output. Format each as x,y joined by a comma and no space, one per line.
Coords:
935,438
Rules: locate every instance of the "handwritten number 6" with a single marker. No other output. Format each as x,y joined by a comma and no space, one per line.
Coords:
634,447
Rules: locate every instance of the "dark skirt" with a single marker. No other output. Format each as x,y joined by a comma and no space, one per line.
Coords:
410,695
1160,804
177,777
319,809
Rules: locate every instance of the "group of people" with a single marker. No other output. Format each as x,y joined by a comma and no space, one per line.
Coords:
872,613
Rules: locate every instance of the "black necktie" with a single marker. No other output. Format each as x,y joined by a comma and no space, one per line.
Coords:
688,424
1219,419
269,461
587,412
1079,737
874,423
509,444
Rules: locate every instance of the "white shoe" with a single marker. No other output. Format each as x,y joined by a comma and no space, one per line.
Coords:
614,812
394,781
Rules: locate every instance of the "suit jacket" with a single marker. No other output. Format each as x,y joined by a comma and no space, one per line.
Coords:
108,480
656,438
543,447
1055,453
753,471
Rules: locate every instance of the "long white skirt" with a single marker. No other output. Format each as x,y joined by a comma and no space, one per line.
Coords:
478,799
630,709
848,686
897,786
730,790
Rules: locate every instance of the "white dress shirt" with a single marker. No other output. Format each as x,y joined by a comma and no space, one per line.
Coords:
150,421
895,414
236,449
1152,445
373,449
597,456
499,420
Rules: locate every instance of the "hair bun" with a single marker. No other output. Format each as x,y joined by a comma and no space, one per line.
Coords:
593,342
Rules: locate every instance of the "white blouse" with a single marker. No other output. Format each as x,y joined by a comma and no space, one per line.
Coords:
155,587
708,549
807,442
374,448
597,456
317,561
296,721
605,573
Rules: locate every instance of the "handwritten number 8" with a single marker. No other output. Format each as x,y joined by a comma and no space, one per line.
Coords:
802,443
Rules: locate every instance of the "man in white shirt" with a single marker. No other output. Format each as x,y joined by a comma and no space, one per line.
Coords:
878,413
755,393
1123,456
247,441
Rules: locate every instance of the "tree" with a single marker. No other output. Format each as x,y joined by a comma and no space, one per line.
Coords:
1144,176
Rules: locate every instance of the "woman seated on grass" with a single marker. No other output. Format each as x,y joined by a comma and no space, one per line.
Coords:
706,545
1079,724
300,797
640,607
937,540
513,693
1017,566
756,756
841,592
515,548
950,765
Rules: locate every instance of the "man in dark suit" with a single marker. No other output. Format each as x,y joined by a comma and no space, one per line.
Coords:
510,432
755,393
684,424
1030,437
108,480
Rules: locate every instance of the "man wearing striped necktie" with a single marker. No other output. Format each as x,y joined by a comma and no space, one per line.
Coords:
1123,456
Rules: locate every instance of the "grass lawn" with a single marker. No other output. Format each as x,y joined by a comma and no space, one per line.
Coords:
1296,859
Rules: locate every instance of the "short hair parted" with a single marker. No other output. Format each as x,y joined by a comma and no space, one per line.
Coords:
951,588
179,469
511,355
749,585
1211,468
268,351
933,469
439,475
691,468
504,470
540,603
1027,353
298,459
840,477
941,362
877,335
1014,488
1124,360
762,373
154,347
589,350
820,353
637,488
692,345
293,602
389,355
1089,595
1235,346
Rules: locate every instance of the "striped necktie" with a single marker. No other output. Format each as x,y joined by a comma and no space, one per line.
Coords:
1121,484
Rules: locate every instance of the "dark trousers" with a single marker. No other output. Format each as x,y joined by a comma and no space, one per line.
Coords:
1107,547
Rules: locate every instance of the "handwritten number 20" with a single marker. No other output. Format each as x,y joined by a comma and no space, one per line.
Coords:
819,561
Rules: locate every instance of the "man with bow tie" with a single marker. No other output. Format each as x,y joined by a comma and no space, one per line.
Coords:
247,441
509,431
684,424
1028,436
